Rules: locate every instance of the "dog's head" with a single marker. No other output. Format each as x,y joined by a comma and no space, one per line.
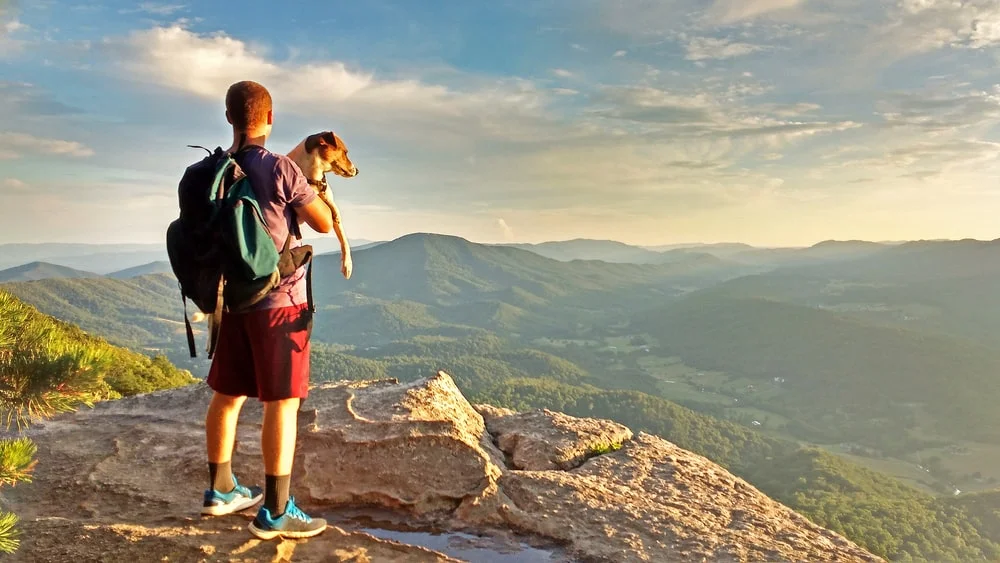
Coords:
331,152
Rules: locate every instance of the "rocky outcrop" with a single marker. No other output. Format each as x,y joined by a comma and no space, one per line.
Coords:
126,478
652,501
542,439
420,447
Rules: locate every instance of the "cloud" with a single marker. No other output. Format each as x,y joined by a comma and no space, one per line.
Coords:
508,233
25,100
924,160
702,114
707,48
939,112
13,26
730,11
18,145
154,8
13,184
562,73
620,53
924,25
205,65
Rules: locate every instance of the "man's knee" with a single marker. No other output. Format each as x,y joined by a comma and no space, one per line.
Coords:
281,406
223,403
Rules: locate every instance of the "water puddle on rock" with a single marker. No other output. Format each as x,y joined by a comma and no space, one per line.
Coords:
500,548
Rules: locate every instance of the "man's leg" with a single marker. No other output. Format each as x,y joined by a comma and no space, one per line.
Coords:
277,440
281,342
220,434
231,377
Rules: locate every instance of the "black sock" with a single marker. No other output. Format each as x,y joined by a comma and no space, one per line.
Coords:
220,476
276,493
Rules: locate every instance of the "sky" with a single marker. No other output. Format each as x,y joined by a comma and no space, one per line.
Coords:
770,122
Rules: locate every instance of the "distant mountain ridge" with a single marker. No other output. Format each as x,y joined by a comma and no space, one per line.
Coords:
34,271
589,249
158,267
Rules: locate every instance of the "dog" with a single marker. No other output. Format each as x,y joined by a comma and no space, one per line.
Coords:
316,155
321,153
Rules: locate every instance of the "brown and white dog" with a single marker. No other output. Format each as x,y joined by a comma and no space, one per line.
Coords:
321,153
316,155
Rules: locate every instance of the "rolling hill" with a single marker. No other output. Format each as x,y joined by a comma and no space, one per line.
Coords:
143,313
945,287
41,271
841,379
413,285
521,330
120,371
158,267
98,258
588,249
825,252
441,269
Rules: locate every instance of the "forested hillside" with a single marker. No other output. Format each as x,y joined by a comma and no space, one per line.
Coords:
758,376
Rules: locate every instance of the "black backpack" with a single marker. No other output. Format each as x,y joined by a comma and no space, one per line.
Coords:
219,247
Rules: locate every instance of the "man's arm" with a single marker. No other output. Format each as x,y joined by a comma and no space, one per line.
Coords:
297,192
317,215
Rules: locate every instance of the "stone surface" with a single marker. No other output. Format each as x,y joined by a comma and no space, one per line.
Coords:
218,539
418,446
652,501
541,439
126,478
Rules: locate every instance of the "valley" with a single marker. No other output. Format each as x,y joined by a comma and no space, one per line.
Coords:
786,366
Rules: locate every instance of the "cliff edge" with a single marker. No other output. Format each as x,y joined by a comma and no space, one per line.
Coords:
123,482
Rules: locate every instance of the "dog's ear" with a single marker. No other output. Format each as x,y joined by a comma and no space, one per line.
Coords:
330,139
312,141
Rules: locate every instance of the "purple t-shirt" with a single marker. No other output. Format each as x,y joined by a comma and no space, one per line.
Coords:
280,187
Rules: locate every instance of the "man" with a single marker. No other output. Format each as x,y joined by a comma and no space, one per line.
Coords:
264,352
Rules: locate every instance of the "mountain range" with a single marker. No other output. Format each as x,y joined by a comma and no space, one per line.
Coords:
875,351
107,259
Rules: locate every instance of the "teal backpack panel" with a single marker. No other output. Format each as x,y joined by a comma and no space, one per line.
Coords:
258,254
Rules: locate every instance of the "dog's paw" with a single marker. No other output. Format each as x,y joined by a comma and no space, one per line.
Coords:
197,317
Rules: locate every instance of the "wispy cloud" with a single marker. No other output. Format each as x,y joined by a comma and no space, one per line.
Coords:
13,184
705,48
640,109
730,11
205,65
154,8
18,145
26,101
937,112
508,233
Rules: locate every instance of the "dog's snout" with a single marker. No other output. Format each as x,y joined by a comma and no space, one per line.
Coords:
356,171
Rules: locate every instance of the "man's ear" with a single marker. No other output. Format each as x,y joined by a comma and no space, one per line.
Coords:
229,119
270,117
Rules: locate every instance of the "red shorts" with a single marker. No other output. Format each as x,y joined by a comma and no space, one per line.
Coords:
263,353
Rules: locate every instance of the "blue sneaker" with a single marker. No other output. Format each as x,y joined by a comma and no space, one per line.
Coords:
292,524
240,498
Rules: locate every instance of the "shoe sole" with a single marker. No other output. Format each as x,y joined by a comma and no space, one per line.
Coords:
271,534
223,509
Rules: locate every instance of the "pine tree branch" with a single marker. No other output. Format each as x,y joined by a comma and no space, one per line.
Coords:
9,534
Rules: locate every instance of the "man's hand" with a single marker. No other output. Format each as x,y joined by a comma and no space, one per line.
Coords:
346,265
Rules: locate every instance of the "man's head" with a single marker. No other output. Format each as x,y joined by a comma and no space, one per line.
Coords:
248,109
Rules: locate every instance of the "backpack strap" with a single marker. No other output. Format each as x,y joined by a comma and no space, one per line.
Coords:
187,326
215,321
